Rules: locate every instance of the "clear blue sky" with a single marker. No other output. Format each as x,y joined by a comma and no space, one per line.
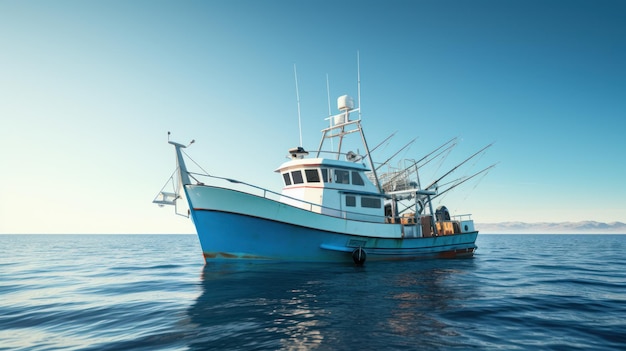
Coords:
89,89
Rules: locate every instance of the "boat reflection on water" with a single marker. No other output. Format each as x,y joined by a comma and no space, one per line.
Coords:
328,306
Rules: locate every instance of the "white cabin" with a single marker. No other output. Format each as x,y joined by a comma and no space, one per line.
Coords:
333,187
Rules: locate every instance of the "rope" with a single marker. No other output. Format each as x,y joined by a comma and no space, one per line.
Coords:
196,163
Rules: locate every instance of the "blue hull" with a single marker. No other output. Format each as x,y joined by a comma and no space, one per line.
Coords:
225,236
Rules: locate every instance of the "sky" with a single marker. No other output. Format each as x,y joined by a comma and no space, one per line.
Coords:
89,90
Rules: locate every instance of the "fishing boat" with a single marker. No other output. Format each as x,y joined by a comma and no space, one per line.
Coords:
334,206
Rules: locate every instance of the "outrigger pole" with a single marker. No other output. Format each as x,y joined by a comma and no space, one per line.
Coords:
464,180
396,153
379,144
459,165
415,163
380,188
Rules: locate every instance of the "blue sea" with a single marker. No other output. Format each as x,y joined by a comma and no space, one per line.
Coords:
154,292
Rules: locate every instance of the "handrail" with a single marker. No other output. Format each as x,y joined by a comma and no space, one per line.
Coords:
267,194
461,217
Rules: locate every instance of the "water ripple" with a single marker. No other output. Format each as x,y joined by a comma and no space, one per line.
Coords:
153,293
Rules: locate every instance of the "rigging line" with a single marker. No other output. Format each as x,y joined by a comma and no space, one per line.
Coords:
426,157
480,157
463,181
194,178
467,194
443,198
444,155
486,171
397,152
452,143
406,207
169,180
466,178
379,144
480,179
196,163
416,163
452,182
459,165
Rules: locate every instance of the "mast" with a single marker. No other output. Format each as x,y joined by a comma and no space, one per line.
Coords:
341,122
358,83
183,175
330,112
295,73
369,157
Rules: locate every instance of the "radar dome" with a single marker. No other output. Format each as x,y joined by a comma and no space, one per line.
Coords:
345,102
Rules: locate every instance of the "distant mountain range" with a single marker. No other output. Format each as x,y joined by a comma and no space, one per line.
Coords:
584,227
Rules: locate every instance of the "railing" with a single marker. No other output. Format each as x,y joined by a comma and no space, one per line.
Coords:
462,217
255,190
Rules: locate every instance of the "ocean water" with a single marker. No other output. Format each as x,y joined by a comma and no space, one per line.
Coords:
153,292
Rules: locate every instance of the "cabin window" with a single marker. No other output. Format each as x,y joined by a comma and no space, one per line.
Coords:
350,201
342,177
326,175
312,175
287,178
356,179
371,202
297,177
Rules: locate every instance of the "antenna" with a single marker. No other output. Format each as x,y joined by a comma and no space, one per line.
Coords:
330,120
358,77
295,73
328,93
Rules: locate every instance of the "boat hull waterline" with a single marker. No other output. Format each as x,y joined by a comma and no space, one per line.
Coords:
336,205
237,225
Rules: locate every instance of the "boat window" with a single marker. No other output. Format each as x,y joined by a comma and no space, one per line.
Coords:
371,202
287,178
342,177
326,175
312,175
356,178
350,201
297,177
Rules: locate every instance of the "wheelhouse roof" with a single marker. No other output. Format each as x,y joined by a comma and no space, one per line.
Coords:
321,162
